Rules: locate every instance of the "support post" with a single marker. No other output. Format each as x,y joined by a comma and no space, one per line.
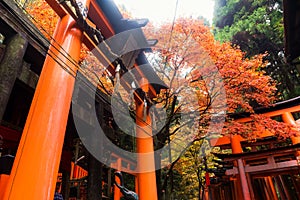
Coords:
270,188
284,187
65,184
236,144
3,183
94,184
147,179
245,187
206,193
117,192
237,148
37,161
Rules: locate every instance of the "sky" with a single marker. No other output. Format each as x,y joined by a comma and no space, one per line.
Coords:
159,11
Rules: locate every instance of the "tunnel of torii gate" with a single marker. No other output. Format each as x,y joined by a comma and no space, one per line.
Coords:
35,168
264,168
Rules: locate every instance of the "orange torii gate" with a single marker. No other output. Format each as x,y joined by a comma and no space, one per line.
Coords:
36,164
282,109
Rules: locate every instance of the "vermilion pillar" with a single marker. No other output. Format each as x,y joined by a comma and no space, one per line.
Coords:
3,183
147,179
35,169
117,192
237,148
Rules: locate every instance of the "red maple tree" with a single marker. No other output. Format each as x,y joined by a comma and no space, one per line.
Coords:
188,46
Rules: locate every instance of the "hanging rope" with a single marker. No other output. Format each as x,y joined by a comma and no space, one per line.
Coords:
145,109
117,77
154,126
131,96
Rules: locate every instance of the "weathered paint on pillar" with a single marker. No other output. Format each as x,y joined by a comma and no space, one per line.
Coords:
146,180
288,118
10,67
35,169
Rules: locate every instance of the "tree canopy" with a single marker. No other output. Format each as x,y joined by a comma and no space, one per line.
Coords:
257,27
223,78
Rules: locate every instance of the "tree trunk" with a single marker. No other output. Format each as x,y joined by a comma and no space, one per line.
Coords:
65,188
158,171
158,180
199,184
94,187
10,68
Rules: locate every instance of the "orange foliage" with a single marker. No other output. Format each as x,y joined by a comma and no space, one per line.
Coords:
84,53
193,49
258,125
46,20
193,43
43,17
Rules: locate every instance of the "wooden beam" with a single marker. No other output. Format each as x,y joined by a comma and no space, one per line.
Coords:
100,20
273,113
20,23
272,166
57,8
